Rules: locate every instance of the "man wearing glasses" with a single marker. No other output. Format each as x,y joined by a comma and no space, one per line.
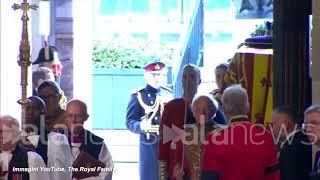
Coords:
50,93
312,128
295,151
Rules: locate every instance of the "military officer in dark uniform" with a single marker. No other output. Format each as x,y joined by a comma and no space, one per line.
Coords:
143,117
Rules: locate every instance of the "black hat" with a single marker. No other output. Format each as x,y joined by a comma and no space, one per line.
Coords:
42,57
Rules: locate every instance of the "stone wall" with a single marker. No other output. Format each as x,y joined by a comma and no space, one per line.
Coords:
62,35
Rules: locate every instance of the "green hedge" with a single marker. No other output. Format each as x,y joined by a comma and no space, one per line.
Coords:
129,54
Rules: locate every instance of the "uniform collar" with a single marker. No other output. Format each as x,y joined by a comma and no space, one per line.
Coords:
152,89
238,118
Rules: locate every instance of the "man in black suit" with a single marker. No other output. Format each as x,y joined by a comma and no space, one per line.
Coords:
312,129
295,151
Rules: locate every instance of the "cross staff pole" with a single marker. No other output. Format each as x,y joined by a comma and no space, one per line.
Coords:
186,104
24,55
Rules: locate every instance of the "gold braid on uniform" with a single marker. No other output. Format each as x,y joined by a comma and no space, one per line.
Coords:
218,98
194,151
162,169
150,109
161,104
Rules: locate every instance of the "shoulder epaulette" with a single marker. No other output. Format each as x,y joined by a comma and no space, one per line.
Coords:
134,91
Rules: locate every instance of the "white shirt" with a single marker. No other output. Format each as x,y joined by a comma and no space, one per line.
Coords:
59,155
34,161
104,156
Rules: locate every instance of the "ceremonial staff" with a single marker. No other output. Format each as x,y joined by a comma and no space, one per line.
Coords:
24,54
186,104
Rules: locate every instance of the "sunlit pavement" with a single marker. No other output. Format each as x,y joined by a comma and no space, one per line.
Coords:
124,148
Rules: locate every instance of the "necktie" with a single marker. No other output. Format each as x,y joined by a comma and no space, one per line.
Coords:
316,162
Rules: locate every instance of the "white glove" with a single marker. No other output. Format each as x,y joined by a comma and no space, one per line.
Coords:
145,124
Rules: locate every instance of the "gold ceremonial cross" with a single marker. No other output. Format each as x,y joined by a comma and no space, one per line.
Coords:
24,44
24,6
24,55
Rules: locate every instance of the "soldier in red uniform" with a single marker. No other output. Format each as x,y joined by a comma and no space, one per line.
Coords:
176,113
242,150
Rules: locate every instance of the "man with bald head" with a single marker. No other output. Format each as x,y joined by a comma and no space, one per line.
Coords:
84,143
14,158
241,150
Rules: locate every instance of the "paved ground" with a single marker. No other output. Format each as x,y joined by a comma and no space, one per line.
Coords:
123,146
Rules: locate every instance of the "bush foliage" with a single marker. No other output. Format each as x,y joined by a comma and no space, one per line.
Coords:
129,53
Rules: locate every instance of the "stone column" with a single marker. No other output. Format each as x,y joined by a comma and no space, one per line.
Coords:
315,55
35,38
63,36
52,36
82,58
291,80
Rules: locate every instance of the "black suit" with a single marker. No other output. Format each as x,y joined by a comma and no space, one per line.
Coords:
296,158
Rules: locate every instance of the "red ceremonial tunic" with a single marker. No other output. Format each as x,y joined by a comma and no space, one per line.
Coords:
173,118
241,151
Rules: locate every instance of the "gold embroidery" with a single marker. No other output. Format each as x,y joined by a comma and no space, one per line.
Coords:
194,148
